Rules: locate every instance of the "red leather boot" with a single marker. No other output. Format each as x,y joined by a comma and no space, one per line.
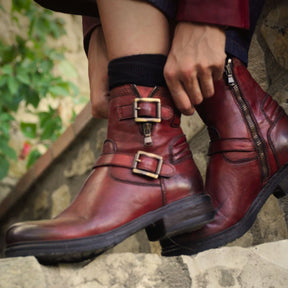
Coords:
145,175
248,159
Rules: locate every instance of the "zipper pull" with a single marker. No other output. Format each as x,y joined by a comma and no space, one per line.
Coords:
229,73
147,129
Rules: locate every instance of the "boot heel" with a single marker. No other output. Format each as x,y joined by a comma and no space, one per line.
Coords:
182,221
155,231
282,188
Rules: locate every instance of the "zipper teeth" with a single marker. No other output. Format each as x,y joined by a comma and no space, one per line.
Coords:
252,127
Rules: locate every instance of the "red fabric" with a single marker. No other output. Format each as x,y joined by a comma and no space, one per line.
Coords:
233,13
220,12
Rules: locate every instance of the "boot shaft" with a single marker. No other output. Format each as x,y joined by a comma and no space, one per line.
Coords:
242,111
145,144
144,118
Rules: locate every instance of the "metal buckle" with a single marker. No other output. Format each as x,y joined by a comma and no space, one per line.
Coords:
137,159
147,119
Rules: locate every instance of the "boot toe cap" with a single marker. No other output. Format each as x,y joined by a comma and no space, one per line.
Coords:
21,232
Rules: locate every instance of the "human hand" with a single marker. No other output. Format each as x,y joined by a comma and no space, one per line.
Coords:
196,59
98,74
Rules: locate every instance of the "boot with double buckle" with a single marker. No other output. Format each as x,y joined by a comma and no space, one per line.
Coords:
248,159
144,178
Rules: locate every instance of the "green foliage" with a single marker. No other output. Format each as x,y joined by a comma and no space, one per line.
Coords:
6,152
33,156
26,75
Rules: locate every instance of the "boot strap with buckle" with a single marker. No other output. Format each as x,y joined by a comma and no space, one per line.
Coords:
146,118
145,110
142,163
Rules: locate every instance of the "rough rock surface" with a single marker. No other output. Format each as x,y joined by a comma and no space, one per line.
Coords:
263,266
274,30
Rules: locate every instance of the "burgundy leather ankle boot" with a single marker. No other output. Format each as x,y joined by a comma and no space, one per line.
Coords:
145,175
248,159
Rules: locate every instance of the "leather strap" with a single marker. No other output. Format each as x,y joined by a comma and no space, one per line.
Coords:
146,163
231,145
146,109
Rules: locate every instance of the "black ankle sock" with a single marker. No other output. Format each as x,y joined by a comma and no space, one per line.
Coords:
142,69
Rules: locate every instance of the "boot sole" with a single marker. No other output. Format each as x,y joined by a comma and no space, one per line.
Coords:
277,185
194,211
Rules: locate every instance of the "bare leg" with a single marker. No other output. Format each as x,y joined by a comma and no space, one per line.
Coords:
140,29
97,70
196,58
133,27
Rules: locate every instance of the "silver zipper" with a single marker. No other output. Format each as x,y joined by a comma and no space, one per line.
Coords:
232,83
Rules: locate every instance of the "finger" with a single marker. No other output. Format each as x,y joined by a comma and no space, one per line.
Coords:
218,70
179,96
206,84
181,99
217,73
192,88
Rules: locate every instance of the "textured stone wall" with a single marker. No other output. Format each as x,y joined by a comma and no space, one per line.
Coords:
273,38
263,266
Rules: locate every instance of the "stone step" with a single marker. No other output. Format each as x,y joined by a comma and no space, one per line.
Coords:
262,266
